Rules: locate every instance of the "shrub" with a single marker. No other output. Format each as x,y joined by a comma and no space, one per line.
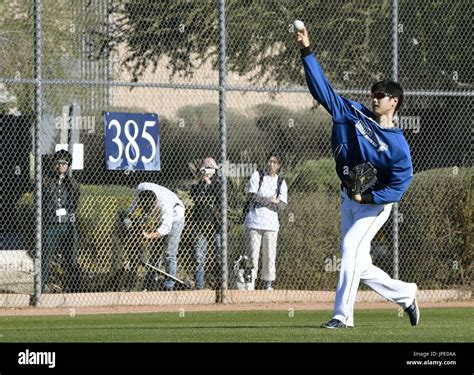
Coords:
309,232
435,250
99,207
308,238
434,246
300,135
434,232
314,175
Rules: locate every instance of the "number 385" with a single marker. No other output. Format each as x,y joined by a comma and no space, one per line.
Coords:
131,149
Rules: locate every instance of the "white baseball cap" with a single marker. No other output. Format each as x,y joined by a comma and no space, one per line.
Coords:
209,163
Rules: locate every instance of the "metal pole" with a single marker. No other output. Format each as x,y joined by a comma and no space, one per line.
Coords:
38,159
395,214
223,157
395,40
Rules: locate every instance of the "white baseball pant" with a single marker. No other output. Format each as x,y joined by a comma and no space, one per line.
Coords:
359,225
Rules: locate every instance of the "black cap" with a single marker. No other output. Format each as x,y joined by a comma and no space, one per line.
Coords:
63,155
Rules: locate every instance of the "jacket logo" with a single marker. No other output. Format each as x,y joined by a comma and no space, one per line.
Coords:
370,136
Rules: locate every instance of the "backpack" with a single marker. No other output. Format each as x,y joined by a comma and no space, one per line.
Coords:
247,205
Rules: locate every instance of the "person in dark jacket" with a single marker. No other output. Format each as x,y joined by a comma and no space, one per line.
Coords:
60,200
206,196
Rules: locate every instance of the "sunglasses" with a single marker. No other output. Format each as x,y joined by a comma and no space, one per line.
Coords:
380,95
62,163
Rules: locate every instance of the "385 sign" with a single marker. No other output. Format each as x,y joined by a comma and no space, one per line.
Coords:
132,141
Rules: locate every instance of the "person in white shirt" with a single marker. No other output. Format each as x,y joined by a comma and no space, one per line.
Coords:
268,195
164,207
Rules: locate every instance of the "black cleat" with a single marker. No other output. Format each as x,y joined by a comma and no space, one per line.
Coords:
334,324
414,313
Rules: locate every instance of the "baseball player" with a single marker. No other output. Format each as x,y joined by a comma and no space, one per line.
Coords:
361,136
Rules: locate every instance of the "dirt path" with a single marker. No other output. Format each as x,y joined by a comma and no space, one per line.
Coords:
30,311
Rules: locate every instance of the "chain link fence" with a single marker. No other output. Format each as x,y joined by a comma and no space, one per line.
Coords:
67,65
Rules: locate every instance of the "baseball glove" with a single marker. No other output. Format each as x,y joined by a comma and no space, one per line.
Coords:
361,178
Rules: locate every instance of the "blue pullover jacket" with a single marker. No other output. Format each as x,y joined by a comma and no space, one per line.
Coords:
358,138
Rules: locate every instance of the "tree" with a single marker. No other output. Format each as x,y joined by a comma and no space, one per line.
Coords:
17,45
435,44
260,40
354,41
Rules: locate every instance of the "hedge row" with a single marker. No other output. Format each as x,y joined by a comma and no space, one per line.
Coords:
434,227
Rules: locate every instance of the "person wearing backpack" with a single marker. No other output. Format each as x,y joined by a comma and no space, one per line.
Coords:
267,196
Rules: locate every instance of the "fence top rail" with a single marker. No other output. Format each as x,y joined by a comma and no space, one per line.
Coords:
248,88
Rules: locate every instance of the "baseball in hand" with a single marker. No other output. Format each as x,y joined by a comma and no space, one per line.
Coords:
299,25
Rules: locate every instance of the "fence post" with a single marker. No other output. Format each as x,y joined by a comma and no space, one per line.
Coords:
38,159
395,78
223,145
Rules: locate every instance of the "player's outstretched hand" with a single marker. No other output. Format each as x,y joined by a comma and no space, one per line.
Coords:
302,38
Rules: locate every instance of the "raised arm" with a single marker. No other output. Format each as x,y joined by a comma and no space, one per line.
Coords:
317,82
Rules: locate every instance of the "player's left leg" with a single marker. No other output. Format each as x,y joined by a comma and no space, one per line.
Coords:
397,291
400,292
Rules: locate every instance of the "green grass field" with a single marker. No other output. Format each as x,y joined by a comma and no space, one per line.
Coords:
436,325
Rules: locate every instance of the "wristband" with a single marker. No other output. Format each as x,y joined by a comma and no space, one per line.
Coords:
305,51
